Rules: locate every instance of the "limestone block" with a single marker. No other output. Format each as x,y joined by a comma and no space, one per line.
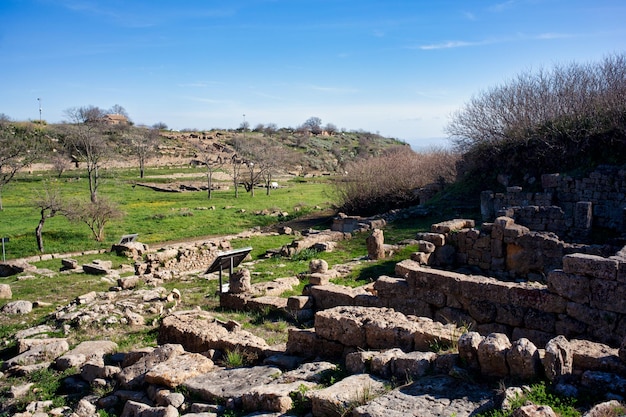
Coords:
17,307
335,400
176,370
225,384
591,265
5,292
492,352
136,409
310,371
295,303
523,360
198,331
437,239
319,279
574,287
37,354
359,362
274,397
594,356
452,225
558,358
608,295
239,282
84,352
134,376
381,362
412,365
468,349
429,396
127,283
375,245
318,265
426,246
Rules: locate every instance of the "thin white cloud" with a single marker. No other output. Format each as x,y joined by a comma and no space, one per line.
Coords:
450,45
341,90
500,7
469,15
518,38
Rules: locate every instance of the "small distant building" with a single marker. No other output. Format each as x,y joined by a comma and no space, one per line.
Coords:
115,119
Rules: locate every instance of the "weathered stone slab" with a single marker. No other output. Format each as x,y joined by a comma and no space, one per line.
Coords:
272,397
311,371
337,399
17,307
37,354
176,370
431,397
225,384
592,356
24,344
198,331
134,376
83,353
591,265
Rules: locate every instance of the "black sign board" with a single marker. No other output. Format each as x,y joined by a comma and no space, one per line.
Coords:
128,238
230,259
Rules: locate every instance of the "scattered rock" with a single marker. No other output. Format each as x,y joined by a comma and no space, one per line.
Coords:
17,307
5,292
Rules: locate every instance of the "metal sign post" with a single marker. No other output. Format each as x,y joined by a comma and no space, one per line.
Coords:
230,259
4,240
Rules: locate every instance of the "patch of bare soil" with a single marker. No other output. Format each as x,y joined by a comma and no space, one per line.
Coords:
316,219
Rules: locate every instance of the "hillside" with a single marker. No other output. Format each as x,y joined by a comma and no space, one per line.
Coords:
298,151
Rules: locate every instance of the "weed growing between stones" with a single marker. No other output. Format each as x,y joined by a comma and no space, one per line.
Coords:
301,403
539,394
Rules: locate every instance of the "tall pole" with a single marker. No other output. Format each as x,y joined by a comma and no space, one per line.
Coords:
244,126
39,101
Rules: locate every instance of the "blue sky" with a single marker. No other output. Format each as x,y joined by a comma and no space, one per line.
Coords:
397,67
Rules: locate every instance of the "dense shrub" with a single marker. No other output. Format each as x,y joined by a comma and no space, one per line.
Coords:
389,181
570,117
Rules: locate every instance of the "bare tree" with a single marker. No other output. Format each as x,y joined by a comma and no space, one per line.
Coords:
87,143
95,215
144,143
270,129
49,204
235,173
60,163
213,158
313,125
570,100
20,146
330,128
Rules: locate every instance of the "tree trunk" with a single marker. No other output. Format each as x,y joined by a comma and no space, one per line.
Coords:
209,176
38,234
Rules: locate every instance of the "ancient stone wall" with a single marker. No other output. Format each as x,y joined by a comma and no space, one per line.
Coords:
586,300
503,249
568,207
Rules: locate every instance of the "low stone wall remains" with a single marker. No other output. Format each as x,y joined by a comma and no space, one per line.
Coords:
584,300
568,207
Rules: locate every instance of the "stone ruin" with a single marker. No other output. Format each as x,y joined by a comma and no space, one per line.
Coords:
568,207
471,305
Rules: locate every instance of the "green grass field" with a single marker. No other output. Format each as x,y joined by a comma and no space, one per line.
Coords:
156,216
